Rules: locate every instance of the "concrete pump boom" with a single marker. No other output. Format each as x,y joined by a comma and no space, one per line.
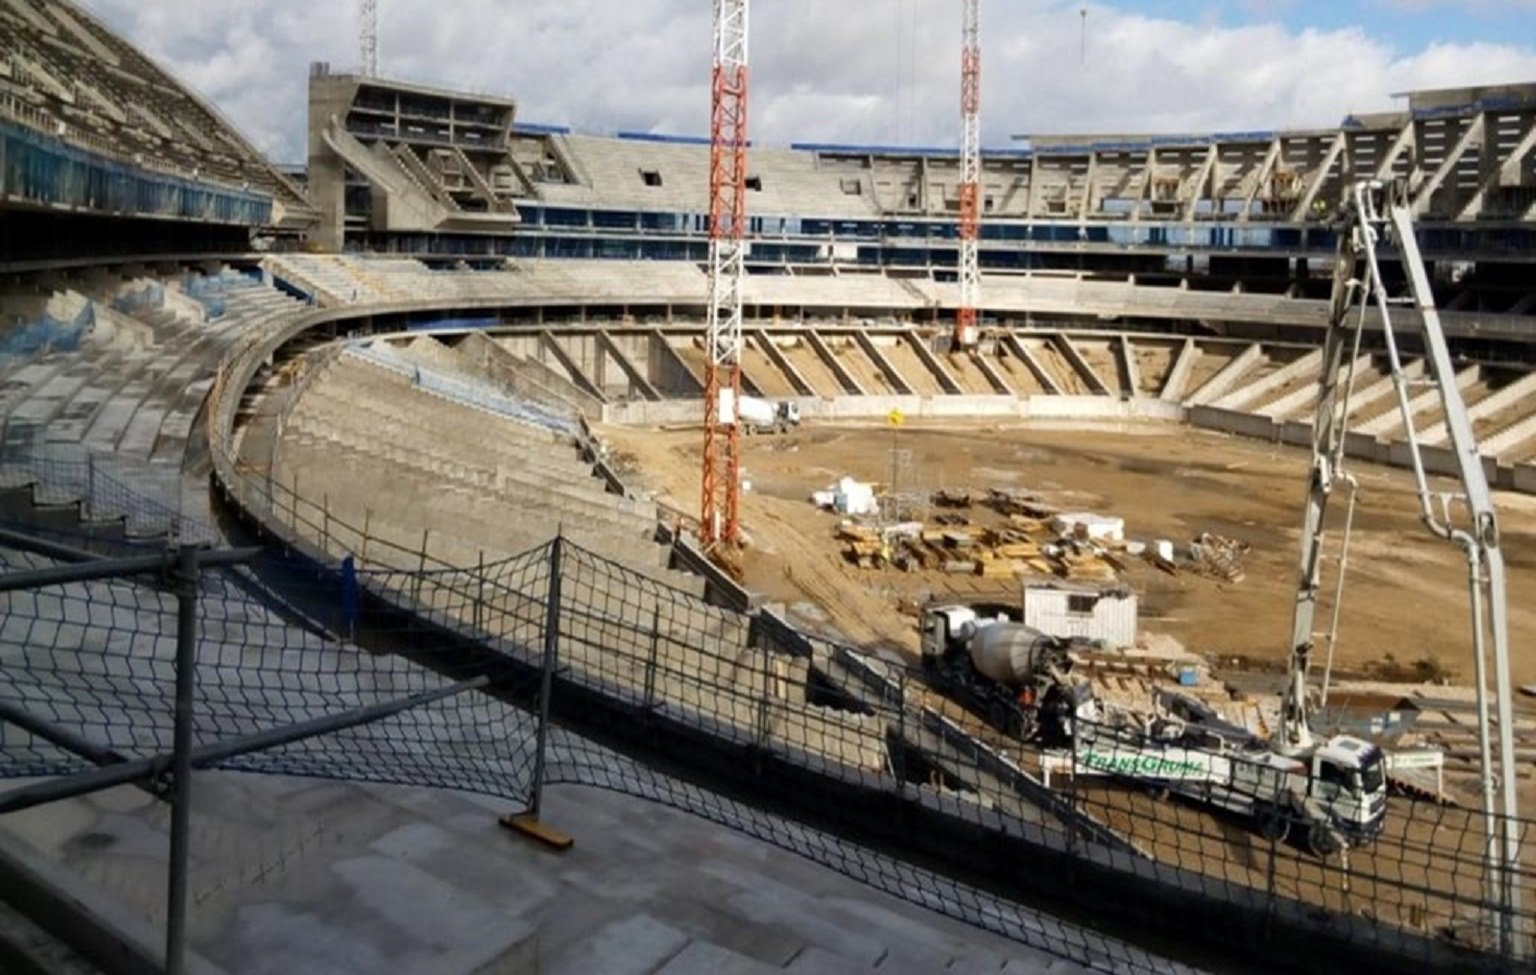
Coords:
1374,214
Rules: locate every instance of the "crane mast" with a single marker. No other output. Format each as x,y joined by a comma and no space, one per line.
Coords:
970,175
720,490
370,38
1376,214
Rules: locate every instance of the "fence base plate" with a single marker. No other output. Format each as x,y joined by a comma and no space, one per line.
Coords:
535,828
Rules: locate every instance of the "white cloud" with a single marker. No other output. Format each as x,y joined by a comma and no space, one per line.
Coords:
853,70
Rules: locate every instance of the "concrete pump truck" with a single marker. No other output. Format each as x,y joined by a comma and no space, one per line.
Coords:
1329,792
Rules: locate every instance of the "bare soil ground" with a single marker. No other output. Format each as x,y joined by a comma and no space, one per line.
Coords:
1405,600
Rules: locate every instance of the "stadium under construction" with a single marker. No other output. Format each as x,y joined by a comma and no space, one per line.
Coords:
495,547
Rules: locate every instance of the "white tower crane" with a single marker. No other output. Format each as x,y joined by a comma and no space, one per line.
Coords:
970,175
370,38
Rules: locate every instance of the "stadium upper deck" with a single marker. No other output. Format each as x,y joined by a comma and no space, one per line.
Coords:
1130,201
92,127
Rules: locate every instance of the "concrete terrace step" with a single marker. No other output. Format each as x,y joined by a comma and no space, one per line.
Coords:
508,493
454,525
370,377
419,485
468,452
489,442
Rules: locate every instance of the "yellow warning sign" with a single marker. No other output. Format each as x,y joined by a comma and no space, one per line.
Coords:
895,418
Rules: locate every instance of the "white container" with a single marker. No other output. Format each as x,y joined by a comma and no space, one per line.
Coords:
1100,528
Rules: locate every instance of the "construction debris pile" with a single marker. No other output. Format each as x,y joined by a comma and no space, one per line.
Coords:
1032,538
1218,556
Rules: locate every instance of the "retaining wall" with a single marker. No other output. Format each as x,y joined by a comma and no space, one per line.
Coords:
690,411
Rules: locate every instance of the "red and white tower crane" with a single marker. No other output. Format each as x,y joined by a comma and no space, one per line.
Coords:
970,175
720,490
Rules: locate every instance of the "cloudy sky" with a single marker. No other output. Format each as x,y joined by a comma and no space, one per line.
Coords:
866,71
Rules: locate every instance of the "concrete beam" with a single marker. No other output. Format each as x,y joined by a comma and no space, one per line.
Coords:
1032,201
1228,376
1306,396
637,379
1198,189
1253,392
548,342
1260,177
1516,438
518,371
1178,373
1422,198
890,372
1299,214
1384,386
931,362
1148,171
1507,172
776,356
1130,373
679,367
1085,202
1027,357
1404,139
1080,365
1520,389
844,377
1393,419
993,375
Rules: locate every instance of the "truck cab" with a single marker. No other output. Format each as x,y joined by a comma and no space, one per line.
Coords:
1347,780
946,630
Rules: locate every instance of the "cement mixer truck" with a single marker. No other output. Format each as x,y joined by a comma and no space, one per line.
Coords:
1011,675
758,415
1018,680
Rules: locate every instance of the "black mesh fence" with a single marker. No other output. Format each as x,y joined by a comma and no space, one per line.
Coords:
850,760
1288,834
277,646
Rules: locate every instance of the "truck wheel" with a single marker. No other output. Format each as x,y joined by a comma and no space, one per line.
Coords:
1322,841
1274,824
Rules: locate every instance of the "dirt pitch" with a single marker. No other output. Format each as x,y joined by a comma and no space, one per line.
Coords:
1405,601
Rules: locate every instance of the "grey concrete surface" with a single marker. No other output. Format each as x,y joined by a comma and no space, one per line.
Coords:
293,876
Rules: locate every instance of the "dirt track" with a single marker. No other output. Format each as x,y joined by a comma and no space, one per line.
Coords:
1406,595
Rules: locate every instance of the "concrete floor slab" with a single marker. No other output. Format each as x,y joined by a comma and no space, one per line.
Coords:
295,876
702,958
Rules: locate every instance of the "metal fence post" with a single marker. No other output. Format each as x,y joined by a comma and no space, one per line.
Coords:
367,527
762,709
186,580
1072,802
899,759
480,595
547,671
650,664
421,565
